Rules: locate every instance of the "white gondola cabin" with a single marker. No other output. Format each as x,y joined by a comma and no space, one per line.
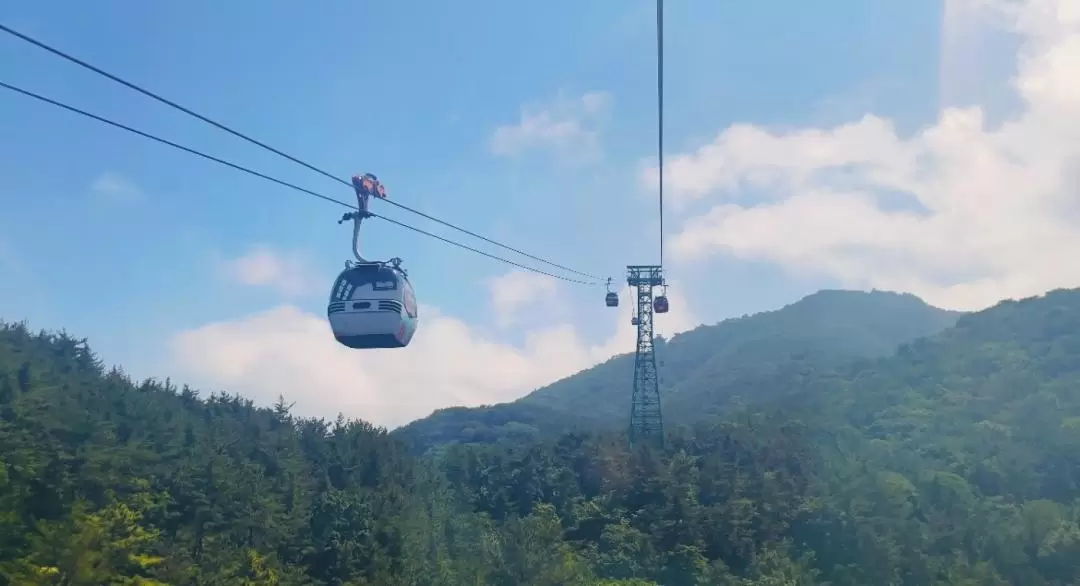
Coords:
372,305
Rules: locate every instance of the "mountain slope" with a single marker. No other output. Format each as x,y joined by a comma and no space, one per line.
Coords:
954,461
963,445
701,370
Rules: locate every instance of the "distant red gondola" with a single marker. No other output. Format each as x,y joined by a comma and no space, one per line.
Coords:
660,304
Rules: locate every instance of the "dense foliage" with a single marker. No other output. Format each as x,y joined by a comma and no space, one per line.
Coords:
953,461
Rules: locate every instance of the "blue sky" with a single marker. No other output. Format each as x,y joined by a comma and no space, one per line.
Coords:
412,92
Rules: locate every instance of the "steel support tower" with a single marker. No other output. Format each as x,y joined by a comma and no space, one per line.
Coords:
646,420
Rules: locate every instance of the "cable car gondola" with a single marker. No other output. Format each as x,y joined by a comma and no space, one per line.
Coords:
612,298
660,304
372,304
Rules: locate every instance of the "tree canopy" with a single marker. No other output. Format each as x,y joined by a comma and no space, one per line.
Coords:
950,460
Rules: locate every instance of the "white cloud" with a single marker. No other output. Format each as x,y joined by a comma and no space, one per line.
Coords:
569,127
987,213
520,290
116,188
291,352
286,272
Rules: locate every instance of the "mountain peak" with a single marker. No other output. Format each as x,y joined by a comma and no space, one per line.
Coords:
705,367
825,297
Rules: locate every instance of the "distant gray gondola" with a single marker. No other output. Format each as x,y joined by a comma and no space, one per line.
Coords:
612,298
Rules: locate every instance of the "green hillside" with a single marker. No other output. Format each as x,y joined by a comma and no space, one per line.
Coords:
954,461
701,370
962,447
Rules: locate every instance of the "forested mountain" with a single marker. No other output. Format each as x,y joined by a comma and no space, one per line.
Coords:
701,370
954,461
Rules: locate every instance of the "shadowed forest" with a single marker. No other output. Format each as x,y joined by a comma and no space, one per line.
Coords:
847,439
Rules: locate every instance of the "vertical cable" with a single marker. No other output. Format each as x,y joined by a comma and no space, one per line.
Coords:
660,112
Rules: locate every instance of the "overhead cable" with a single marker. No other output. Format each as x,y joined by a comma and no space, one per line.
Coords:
226,163
243,136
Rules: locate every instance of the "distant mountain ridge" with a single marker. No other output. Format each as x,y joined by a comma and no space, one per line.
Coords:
703,369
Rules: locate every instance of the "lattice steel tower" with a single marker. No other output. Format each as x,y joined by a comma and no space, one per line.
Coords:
646,420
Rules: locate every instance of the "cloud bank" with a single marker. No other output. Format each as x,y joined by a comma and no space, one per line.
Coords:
960,213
